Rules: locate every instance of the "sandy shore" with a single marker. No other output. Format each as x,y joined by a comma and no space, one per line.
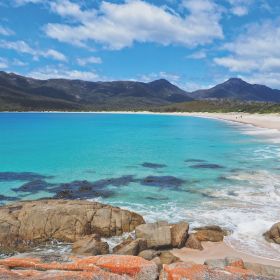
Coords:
218,250
270,121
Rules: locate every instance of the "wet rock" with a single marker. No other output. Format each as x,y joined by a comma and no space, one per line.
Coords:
132,248
214,228
156,197
34,222
22,176
195,160
158,235
149,254
7,198
162,181
90,245
207,166
166,257
80,189
179,234
153,165
102,267
117,182
273,235
34,186
210,233
193,243
203,193
85,189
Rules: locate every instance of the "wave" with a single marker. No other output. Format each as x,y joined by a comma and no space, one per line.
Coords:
245,209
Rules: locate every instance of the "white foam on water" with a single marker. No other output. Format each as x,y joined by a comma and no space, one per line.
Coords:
115,240
246,209
263,134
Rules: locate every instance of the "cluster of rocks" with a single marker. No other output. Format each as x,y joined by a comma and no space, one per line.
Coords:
113,267
155,241
30,223
222,269
85,224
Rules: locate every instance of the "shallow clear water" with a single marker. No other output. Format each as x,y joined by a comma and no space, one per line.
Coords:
204,171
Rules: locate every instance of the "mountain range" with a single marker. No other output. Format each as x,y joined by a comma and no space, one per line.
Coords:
24,94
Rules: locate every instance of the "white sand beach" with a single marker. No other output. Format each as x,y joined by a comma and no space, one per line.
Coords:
270,121
218,250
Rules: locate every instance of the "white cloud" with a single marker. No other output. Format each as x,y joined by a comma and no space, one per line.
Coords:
116,26
18,62
193,86
3,63
54,54
257,49
171,77
240,11
236,65
255,52
19,46
51,72
240,7
6,31
89,60
197,55
24,2
271,79
23,47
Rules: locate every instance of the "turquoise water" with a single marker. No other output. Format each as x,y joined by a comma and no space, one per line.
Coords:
164,167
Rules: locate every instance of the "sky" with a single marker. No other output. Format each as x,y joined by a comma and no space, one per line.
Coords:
192,43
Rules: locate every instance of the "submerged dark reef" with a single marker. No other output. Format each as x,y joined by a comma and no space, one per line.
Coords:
82,189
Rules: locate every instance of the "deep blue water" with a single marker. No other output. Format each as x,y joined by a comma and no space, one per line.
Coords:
164,167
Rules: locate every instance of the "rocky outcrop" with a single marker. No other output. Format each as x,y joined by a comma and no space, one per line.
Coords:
64,220
102,267
193,242
158,235
273,235
112,267
149,254
228,269
166,257
179,234
263,270
132,248
214,228
210,233
90,245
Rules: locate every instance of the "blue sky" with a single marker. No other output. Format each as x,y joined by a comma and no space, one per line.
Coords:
192,43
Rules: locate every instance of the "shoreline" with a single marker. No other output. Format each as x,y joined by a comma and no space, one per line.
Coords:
220,250
265,121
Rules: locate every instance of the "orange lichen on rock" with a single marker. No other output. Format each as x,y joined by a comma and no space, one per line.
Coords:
239,270
128,265
101,267
180,271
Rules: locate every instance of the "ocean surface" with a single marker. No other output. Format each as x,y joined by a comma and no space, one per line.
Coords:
173,168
